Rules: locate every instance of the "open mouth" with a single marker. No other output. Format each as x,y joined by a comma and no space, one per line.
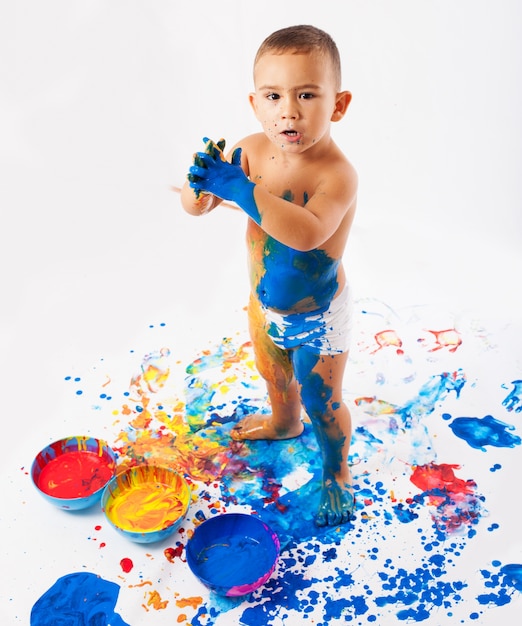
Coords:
292,135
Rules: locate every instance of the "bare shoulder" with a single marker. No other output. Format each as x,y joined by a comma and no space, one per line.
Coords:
252,147
337,167
336,179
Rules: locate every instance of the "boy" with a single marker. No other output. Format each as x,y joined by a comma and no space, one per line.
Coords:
299,192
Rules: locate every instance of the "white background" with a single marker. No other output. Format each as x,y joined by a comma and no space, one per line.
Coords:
102,104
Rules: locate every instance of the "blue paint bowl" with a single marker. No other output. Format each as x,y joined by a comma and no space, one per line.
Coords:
233,554
72,473
146,503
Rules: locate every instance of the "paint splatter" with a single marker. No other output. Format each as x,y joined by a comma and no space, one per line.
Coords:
501,584
80,598
455,501
513,401
174,553
126,565
366,571
487,431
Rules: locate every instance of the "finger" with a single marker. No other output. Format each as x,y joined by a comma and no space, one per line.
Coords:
210,147
236,157
202,159
198,172
214,150
198,160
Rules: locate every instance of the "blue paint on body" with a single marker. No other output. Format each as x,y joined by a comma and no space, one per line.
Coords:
292,276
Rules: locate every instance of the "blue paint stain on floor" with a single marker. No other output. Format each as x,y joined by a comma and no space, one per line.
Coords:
80,598
487,431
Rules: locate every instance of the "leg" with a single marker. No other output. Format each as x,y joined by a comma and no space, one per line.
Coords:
320,379
275,366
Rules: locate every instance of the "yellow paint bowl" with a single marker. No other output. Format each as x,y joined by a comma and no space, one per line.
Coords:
146,503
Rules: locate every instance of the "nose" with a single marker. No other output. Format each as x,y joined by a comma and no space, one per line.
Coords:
289,109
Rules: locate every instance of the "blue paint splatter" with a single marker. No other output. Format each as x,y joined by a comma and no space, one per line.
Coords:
487,431
404,514
501,584
513,401
80,598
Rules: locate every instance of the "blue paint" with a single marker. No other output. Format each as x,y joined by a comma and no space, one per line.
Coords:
233,554
501,584
433,391
484,432
292,276
404,514
211,173
421,590
80,598
513,575
513,401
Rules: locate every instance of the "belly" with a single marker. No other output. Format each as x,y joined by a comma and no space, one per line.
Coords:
288,280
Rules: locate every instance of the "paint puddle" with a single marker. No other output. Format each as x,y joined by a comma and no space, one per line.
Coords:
74,474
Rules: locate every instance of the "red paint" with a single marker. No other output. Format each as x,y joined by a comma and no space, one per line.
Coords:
172,553
387,338
449,338
102,544
455,499
126,565
74,474
441,477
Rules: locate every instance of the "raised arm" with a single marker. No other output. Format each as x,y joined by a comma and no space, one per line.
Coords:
302,228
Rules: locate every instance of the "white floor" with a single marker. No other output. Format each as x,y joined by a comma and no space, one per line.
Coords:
100,267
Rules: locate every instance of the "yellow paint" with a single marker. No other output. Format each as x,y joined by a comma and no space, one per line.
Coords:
147,499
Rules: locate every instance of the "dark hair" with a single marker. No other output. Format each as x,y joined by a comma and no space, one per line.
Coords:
299,39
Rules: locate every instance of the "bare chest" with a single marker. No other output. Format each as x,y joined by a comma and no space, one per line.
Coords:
291,183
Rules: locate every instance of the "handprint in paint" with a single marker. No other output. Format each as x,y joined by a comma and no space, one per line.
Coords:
513,401
449,338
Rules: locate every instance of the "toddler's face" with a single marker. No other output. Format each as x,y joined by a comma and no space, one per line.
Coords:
295,98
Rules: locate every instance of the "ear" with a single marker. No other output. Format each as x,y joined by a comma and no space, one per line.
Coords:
253,103
342,102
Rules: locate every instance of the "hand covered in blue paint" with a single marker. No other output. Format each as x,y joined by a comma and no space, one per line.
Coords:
213,150
212,173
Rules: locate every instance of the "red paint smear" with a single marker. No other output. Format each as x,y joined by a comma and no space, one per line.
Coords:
387,338
102,545
449,338
74,474
126,565
455,499
433,476
172,553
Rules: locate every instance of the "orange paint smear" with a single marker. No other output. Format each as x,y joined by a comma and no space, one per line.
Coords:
148,507
193,602
156,602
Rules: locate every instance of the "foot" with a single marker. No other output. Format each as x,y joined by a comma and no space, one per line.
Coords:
259,426
337,503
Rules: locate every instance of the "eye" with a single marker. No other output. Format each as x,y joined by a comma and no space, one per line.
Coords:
306,96
273,96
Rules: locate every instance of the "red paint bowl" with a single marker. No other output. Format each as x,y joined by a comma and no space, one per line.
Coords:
233,554
71,473
146,503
